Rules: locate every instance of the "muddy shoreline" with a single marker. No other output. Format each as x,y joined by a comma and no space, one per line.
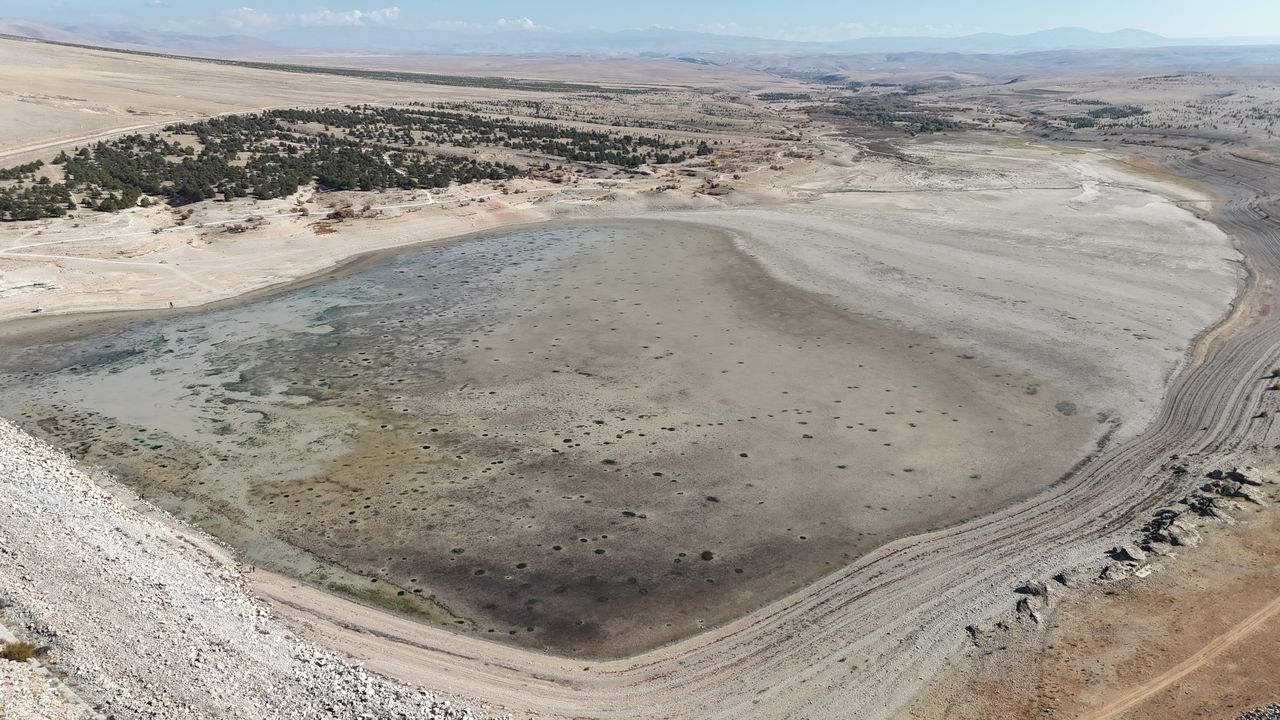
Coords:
47,329
741,478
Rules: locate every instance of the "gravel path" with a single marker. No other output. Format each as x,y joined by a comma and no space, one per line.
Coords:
145,622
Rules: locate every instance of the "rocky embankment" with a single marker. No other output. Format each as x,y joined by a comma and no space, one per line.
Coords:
144,621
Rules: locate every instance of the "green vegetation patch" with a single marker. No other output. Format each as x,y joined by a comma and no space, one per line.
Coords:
892,111
17,651
272,154
783,96
1116,112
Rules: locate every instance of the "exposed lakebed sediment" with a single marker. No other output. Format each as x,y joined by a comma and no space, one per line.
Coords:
593,439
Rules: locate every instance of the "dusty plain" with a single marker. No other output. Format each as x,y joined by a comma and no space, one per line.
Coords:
1196,638
1014,304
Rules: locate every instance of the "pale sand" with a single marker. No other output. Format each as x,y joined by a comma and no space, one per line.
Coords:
51,94
1071,269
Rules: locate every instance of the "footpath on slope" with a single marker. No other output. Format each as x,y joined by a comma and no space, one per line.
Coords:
144,622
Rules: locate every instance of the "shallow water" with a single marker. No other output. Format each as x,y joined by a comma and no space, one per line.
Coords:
271,391
592,439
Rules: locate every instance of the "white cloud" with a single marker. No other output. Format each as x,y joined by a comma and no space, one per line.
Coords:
719,29
523,23
246,17
249,18
836,31
349,18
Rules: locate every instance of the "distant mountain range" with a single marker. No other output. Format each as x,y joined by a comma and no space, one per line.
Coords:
648,42
666,42
151,40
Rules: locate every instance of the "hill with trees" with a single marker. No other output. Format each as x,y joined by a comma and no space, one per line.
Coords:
272,154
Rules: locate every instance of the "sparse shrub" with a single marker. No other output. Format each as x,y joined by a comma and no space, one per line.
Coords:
18,651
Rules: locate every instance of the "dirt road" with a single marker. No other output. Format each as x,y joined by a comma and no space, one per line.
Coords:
1138,693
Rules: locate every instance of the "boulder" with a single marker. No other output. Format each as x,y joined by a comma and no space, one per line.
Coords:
1028,610
1036,588
1128,553
1207,505
1183,534
1252,495
1112,573
1240,477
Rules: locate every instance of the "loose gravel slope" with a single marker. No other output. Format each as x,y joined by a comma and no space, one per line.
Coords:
146,622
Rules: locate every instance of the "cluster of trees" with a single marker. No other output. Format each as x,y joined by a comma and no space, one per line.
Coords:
35,201
28,198
419,125
892,110
783,96
1109,112
1116,112
603,114
271,154
19,172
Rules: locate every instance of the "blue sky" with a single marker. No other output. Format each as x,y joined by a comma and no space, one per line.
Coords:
791,19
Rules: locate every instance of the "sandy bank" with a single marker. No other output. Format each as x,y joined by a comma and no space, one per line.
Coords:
1085,273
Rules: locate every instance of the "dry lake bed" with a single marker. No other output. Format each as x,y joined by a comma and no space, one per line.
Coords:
592,439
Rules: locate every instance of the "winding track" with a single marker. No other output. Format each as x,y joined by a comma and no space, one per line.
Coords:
1136,695
863,641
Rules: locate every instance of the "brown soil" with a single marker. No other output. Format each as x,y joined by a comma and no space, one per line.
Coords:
1199,638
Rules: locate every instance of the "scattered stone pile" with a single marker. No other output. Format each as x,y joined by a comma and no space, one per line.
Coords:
1217,498
1034,600
1270,712
1171,527
144,621
1221,494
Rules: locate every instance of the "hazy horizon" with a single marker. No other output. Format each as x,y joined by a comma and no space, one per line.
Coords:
820,21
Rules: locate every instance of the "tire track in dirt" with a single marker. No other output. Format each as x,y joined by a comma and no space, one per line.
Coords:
1135,695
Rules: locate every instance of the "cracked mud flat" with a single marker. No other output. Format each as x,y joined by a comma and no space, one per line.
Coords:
592,439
